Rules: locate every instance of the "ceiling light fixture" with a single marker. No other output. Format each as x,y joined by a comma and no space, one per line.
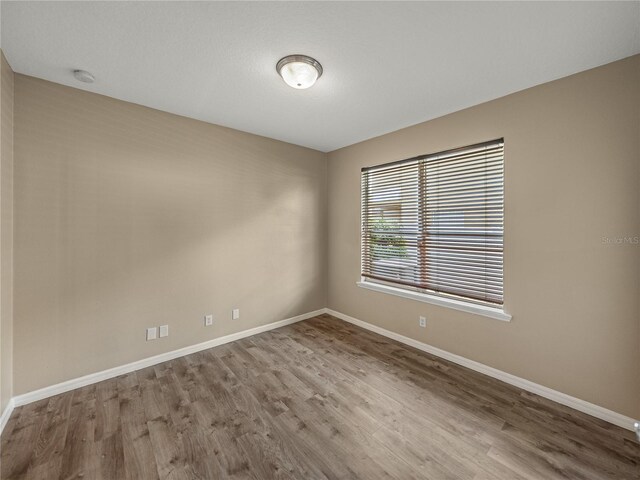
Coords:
299,71
83,76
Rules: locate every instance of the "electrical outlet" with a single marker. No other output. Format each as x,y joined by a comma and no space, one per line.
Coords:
235,314
422,321
164,331
152,333
208,320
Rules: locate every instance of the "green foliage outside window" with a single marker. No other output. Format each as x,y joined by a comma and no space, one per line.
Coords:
386,242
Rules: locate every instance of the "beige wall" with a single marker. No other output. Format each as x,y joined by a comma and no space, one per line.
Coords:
6,232
127,217
572,166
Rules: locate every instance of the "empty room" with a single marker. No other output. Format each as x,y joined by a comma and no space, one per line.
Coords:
319,240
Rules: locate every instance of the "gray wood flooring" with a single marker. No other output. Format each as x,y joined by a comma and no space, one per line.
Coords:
320,399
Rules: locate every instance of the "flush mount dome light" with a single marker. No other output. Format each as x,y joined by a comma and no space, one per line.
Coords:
299,71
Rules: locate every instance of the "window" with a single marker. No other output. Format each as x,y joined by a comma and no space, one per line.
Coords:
434,224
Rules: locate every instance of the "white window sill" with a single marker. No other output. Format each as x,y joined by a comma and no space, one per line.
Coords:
485,311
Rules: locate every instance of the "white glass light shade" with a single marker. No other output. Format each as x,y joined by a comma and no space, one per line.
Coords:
299,71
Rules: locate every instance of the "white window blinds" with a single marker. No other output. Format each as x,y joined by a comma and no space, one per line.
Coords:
435,223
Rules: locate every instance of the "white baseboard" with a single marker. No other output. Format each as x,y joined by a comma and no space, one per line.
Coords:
147,362
562,398
4,418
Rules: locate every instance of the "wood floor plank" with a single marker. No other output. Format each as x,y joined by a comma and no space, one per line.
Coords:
77,461
110,456
53,433
17,452
107,409
139,460
319,399
167,448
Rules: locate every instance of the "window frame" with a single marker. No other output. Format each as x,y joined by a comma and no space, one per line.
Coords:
444,299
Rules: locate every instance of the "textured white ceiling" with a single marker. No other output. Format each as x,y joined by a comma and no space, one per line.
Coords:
386,65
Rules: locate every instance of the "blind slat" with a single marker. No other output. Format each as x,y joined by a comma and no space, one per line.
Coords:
435,223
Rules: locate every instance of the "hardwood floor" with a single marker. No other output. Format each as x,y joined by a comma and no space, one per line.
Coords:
320,399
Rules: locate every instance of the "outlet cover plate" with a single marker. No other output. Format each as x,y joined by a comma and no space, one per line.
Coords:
164,331
152,333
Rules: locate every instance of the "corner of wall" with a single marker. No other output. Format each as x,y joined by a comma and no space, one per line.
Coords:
6,235
325,255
